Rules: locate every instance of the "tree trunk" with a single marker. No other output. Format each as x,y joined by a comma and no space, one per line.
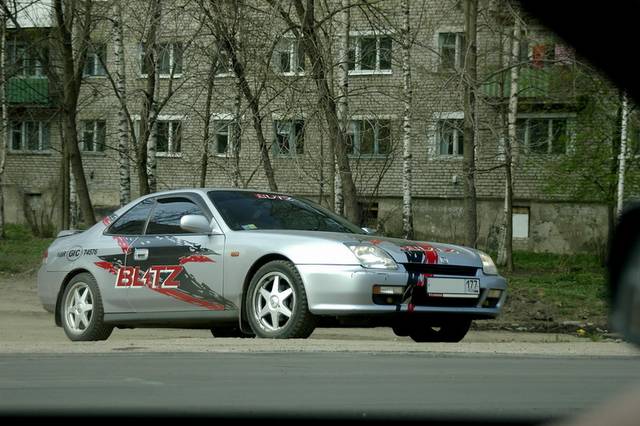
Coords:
236,141
470,82
4,123
147,117
335,190
312,47
123,122
622,156
407,214
72,79
505,254
204,161
65,184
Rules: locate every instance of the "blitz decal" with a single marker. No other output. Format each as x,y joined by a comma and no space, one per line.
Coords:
274,197
158,276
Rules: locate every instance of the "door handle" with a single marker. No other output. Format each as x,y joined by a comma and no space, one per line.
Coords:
141,254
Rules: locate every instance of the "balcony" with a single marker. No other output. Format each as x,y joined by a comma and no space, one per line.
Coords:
555,83
28,91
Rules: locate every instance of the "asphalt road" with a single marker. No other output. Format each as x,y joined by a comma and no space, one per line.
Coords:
344,384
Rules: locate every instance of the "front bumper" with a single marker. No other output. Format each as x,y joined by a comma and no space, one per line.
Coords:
344,290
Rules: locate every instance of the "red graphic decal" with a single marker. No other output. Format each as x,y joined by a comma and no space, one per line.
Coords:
411,307
124,244
375,242
106,220
129,276
430,253
274,197
195,258
108,266
177,294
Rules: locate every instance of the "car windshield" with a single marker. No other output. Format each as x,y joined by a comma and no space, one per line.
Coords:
258,210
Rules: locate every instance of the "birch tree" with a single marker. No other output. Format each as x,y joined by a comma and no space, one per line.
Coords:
407,215
3,118
335,183
623,153
73,61
470,85
121,93
505,253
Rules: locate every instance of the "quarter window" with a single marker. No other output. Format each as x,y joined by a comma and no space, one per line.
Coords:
133,221
166,216
369,53
369,137
30,136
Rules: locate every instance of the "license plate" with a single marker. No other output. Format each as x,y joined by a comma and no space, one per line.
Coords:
453,287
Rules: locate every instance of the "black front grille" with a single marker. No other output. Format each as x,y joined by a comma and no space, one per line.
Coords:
460,271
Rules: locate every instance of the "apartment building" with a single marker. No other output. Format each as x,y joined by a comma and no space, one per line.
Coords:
551,118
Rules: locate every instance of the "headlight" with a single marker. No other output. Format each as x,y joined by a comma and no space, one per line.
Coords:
373,257
488,267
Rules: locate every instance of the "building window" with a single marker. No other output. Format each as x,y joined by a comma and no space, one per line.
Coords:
289,136
369,137
520,225
224,131
169,59
169,137
96,57
288,56
24,60
369,53
368,214
451,51
450,137
224,65
30,136
93,135
543,135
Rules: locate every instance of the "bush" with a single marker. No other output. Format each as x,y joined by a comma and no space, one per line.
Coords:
20,250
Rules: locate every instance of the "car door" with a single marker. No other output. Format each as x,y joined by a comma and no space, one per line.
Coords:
111,250
171,269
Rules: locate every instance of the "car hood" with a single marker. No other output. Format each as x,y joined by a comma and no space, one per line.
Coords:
402,251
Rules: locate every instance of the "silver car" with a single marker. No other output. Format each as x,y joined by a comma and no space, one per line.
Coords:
250,263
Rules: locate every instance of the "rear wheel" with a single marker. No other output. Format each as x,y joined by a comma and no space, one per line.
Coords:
82,311
450,330
277,303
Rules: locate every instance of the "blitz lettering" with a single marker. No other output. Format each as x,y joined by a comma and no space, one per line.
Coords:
159,276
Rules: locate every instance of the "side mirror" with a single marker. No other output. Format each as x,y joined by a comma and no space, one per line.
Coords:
369,231
195,223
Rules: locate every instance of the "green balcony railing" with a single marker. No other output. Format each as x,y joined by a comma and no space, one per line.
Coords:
548,82
28,90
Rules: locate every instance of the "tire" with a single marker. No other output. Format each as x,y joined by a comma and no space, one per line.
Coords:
81,324
267,308
223,332
451,330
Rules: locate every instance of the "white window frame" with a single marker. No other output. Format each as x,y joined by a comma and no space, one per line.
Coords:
23,138
570,119
165,117
292,46
518,214
230,121
141,53
11,49
432,135
376,137
459,31
229,67
356,36
293,147
95,136
93,56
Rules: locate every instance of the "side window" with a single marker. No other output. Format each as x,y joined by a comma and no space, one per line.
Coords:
166,216
133,221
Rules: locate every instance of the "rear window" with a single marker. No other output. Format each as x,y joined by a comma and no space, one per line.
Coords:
254,210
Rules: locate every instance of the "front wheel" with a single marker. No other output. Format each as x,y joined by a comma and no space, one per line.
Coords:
450,330
82,311
277,303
